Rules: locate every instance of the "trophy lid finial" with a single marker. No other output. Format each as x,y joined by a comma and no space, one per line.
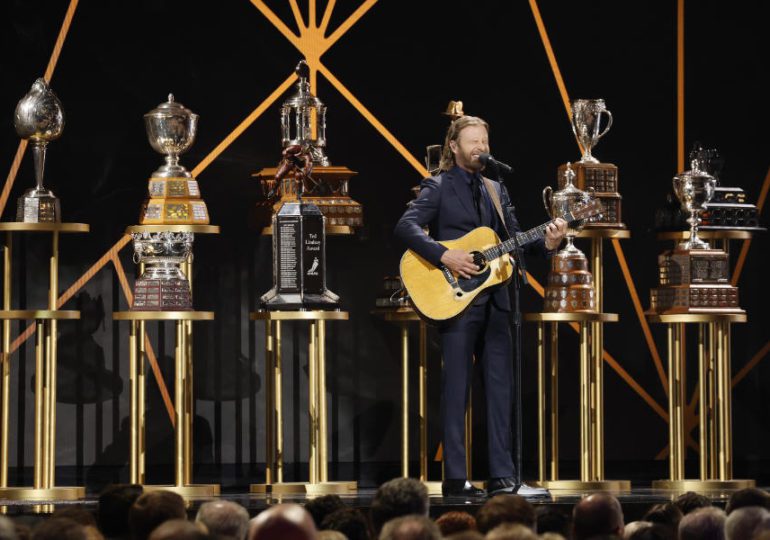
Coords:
454,110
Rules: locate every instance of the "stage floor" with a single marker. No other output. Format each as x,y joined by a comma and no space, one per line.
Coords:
635,502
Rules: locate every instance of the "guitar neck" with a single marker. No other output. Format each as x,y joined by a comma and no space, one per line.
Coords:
521,238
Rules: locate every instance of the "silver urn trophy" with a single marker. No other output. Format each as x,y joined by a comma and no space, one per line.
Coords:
171,130
694,189
39,119
303,118
586,123
562,203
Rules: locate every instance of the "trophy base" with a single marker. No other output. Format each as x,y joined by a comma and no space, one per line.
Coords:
574,299
176,211
711,298
570,284
275,300
38,207
162,295
684,266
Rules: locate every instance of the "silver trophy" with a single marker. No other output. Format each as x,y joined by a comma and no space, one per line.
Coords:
171,129
303,119
39,118
586,122
562,203
694,188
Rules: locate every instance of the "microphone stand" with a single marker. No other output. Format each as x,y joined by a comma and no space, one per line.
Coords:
515,288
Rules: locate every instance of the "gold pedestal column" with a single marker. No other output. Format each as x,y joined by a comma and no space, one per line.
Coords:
318,483
715,394
589,470
403,316
44,477
183,399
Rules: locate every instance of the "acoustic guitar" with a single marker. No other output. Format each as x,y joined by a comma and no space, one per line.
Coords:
438,294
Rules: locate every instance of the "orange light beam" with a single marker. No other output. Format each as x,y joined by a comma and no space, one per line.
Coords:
65,28
228,140
75,287
640,314
327,16
350,21
151,358
680,84
312,18
278,23
751,363
54,59
372,120
747,243
297,16
551,57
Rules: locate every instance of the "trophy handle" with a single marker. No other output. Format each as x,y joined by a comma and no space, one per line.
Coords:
547,196
609,123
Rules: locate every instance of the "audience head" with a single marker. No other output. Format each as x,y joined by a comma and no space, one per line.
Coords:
706,523
396,498
224,519
321,507
153,508
511,531
7,529
59,529
666,514
744,523
179,529
553,520
112,511
655,531
331,535
748,497
465,535
76,514
597,514
633,526
505,509
349,521
687,502
284,521
411,527
453,522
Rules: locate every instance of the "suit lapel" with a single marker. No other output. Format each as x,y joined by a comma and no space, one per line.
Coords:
461,193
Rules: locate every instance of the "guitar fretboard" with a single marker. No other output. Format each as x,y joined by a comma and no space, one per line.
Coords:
522,238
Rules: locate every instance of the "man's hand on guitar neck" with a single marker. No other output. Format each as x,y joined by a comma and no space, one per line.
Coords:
460,262
554,233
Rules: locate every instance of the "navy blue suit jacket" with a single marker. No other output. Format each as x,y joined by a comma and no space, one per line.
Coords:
446,208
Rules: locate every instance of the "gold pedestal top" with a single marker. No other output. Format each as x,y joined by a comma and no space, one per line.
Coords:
18,226
605,232
726,234
163,315
307,315
571,317
39,314
200,229
731,317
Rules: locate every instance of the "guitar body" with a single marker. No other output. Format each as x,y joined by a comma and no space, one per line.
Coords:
438,294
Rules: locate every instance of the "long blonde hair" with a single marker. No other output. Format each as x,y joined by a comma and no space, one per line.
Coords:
452,134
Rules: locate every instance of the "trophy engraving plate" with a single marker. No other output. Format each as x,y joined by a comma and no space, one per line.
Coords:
288,255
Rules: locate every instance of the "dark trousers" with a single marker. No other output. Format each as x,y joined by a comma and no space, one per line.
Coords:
483,331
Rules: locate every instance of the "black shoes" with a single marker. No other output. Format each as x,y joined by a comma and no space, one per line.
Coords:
507,486
460,488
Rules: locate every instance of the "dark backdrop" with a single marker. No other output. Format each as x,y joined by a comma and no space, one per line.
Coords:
403,62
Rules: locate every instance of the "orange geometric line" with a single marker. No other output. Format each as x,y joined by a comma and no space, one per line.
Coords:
151,358
372,120
689,441
551,57
311,20
75,287
48,74
680,84
297,16
640,314
747,243
228,140
65,27
12,174
344,27
327,16
278,23
750,365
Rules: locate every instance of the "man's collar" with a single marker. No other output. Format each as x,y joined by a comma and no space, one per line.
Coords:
467,176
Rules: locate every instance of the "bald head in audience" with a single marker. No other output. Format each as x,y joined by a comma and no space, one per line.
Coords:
224,519
706,523
283,522
745,523
595,515
179,529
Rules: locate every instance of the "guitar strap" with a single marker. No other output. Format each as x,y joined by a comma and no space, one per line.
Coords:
496,201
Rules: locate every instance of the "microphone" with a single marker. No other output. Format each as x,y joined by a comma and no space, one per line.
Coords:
487,160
